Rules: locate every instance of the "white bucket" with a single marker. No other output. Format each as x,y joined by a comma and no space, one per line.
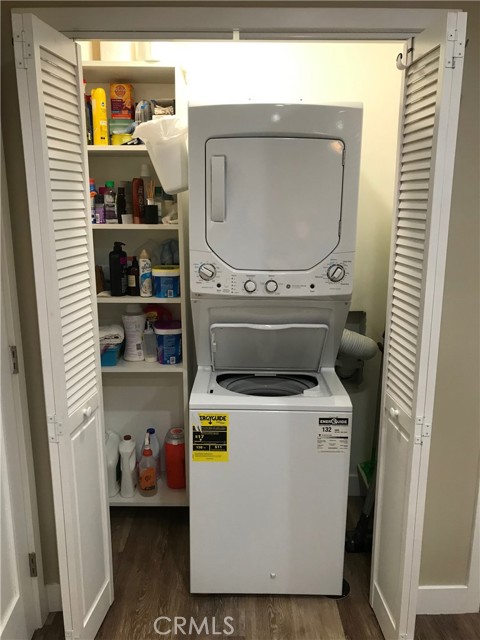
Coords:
166,142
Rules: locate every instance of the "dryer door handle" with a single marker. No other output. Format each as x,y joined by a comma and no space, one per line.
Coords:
217,166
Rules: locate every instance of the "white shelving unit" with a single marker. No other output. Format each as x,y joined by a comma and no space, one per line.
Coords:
138,395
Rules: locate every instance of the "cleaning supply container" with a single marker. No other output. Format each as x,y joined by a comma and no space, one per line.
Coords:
134,323
112,454
175,458
166,281
128,464
169,341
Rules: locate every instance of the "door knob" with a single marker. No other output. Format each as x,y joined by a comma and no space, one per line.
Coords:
87,412
393,413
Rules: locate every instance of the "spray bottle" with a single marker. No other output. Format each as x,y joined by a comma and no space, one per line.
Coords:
147,473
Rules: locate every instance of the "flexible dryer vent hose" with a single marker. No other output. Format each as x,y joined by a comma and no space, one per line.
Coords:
356,345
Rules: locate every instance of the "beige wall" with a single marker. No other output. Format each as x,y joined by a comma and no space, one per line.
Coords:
453,473
454,456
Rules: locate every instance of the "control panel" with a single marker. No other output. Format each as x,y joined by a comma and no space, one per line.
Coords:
332,277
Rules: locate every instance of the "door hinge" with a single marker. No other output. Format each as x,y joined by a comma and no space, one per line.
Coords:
23,50
55,429
32,562
13,359
423,429
455,48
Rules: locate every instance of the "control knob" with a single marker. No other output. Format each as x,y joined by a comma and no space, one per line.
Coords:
207,271
336,273
271,286
250,286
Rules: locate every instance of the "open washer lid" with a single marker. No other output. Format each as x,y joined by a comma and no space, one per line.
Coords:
267,347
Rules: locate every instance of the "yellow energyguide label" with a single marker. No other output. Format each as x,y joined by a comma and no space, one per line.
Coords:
210,438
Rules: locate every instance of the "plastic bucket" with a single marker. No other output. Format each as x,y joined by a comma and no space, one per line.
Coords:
169,342
166,282
166,142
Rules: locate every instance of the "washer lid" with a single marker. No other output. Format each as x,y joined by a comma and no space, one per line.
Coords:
267,347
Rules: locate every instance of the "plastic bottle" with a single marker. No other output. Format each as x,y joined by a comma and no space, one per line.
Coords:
99,116
109,199
134,323
121,206
147,473
146,288
112,443
88,114
93,193
128,466
154,446
133,278
150,344
118,270
175,458
99,209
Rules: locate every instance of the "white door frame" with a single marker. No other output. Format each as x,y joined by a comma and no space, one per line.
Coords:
37,597
249,23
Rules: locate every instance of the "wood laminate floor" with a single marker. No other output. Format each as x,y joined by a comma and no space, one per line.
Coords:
150,557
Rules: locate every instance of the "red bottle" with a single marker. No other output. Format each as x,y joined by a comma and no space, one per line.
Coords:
175,458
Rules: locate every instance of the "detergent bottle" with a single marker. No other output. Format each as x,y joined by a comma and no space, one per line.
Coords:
99,116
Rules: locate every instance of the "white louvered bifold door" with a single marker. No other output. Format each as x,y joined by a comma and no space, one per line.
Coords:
53,129
427,136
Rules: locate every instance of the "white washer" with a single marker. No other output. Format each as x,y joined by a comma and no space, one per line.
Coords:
271,281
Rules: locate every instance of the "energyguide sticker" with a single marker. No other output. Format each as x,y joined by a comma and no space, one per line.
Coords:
210,438
333,435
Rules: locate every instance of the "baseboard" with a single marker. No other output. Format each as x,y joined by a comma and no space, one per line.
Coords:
54,597
453,598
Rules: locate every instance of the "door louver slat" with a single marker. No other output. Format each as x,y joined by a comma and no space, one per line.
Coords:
70,206
411,229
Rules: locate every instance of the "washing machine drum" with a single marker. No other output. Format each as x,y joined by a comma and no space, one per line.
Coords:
267,386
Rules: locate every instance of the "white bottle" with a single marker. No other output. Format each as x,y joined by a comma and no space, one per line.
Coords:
128,465
133,322
112,442
145,268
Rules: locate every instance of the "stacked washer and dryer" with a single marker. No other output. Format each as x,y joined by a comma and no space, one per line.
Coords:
273,206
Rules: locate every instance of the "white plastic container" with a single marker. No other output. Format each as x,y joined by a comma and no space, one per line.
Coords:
112,454
128,466
134,323
166,281
166,142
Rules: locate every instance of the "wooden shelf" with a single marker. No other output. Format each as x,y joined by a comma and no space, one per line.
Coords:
123,366
164,497
116,150
106,298
133,72
135,227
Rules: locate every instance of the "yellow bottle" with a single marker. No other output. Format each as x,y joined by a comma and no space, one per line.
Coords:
99,116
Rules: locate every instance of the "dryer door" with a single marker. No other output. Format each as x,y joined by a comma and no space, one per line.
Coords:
273,204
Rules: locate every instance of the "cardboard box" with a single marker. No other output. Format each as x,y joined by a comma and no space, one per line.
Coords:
122,101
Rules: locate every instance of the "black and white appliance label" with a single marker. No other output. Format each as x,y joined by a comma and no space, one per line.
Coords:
333,435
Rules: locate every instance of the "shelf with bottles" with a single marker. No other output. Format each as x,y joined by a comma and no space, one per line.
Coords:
123,366
105,297
117,150
164,497
163,228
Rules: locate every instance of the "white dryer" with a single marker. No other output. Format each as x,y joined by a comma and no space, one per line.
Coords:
273,191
